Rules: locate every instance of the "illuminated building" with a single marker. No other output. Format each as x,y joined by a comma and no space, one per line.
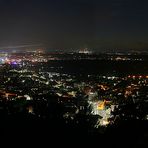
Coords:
85,51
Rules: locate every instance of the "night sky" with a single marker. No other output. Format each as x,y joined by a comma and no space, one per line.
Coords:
99,24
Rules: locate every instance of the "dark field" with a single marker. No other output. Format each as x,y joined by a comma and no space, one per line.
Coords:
102,67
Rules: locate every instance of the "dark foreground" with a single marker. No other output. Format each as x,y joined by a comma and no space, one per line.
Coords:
26,131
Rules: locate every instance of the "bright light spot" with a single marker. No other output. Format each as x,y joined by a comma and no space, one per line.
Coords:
105,122
47,82
27,97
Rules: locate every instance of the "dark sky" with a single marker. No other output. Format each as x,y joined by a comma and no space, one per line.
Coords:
97,24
